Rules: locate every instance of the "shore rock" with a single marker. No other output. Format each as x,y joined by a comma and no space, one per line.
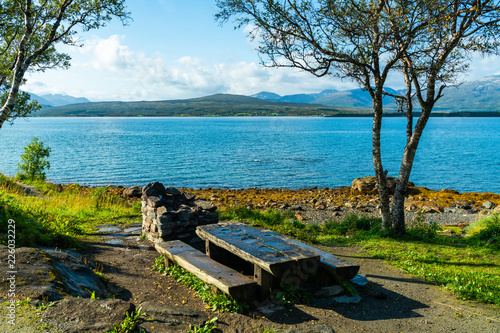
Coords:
132,192
368,185
488,205
73,315
50,275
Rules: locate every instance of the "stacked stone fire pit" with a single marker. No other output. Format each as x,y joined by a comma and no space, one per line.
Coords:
168,214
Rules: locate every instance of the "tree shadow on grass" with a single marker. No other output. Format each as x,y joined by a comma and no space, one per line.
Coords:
451,263
406,280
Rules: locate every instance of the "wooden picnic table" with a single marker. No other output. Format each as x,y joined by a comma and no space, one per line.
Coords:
274,258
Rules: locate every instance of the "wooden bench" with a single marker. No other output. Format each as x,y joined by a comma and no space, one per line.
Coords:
225,279
337,268
275,261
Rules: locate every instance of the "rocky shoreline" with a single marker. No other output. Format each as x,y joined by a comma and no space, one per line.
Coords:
319,205
445,207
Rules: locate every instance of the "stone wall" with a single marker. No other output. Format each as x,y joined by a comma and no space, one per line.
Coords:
169,214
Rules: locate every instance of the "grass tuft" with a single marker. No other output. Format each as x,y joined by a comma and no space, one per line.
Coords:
129,324
219,302
207,327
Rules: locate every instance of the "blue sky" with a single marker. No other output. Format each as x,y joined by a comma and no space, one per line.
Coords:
174,49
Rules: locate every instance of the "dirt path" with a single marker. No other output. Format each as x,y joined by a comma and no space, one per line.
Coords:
127,260
392,302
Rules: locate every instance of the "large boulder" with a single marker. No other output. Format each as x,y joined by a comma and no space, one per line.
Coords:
132,192
155,189
368,185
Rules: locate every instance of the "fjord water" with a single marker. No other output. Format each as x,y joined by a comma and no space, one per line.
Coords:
242,152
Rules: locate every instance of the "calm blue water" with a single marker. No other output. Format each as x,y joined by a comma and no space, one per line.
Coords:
283,152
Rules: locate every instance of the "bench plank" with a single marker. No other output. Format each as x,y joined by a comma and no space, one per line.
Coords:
209,271
339,268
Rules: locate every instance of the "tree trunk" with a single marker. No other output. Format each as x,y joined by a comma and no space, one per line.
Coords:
398,213
10,103
377,162
398,209
398,216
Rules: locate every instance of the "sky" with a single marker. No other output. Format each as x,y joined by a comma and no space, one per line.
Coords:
174,49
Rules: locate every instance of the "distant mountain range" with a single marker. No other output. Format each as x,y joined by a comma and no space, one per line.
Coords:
476,96
298,98
51,100
480,95
355,98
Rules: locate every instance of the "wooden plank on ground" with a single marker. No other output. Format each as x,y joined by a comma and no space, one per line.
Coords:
209,271
263,249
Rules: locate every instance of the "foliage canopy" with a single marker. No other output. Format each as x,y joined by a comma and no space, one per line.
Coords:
29,33
34,161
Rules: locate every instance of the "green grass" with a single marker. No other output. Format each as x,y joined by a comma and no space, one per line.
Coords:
468,266
485,232
471,273
207,327
219,302
62,218
129,324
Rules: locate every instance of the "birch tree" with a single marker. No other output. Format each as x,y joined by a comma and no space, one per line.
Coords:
454,31
365,41
29,33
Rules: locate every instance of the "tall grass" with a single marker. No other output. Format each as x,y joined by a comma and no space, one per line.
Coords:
59,218
485,232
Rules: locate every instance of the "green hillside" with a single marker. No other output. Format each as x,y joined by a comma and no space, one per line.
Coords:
215,105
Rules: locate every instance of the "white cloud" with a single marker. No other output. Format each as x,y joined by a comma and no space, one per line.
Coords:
107,69
481,66
109,54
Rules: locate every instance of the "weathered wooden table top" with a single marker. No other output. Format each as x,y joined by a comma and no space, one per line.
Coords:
260,247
